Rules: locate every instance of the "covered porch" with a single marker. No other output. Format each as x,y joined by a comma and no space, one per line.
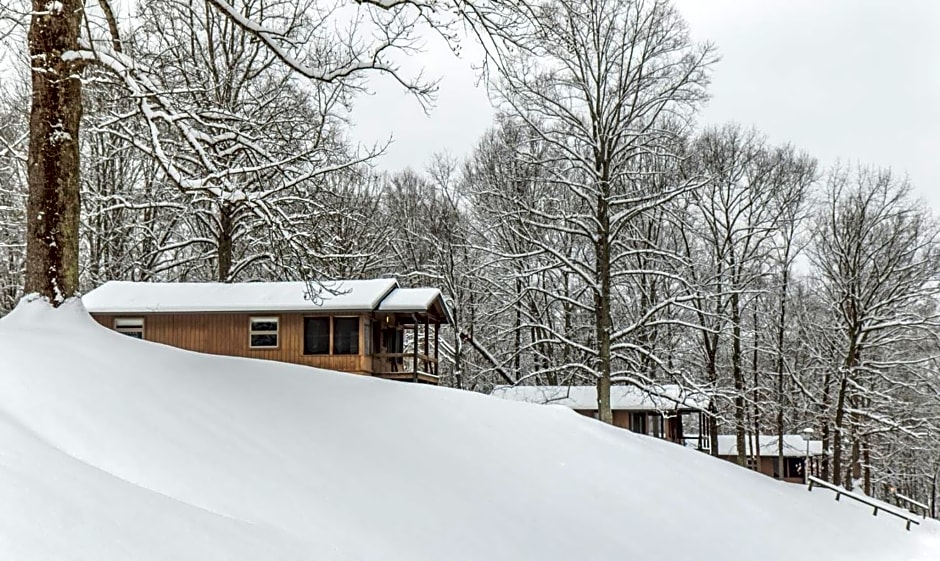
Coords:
406,341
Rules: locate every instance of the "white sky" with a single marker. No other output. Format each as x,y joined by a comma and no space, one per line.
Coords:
852,79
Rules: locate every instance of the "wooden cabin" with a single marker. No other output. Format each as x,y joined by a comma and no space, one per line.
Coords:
658,411
371,327
797,456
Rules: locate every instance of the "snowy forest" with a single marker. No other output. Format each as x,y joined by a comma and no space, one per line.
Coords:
595,235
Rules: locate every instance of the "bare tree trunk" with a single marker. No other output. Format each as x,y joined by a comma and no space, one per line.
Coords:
866,458
933,490
824,423
517,329
711,369
781,379
602,309
53,206
737,375
853,471
225,243
837,430
756,394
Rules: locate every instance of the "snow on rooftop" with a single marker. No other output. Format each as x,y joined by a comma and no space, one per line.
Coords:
793,445
409,300
113,448
666,397
146,297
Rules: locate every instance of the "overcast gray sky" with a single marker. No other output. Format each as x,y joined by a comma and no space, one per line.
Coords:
852,79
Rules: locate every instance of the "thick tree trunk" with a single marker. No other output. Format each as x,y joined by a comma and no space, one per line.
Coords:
53,206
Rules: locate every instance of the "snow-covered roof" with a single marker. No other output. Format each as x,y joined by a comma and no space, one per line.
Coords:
153,297
409,300
793,445
665,397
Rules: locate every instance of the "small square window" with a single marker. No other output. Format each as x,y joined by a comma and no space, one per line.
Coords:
263,332
132,327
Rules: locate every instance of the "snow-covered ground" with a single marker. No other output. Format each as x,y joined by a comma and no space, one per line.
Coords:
113,448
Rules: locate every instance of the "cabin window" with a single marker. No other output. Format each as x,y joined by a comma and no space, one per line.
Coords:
317,336
793,467
655,426
132,327
263,332
638,422
346,336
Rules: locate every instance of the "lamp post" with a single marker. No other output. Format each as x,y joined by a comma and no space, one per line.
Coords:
807,435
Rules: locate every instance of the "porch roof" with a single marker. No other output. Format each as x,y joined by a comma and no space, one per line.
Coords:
416,300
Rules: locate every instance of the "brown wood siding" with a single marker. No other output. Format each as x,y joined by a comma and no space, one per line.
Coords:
227,334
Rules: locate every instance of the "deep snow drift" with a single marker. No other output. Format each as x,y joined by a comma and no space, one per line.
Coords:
113,448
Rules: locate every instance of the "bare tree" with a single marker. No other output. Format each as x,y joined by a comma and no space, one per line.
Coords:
597,81
796,176
736,221
877,259
13,191
65,37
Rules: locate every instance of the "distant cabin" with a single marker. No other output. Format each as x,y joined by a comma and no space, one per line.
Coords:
372,327
658,411
798,455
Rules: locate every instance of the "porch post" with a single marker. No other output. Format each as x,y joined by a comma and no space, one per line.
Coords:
437,338
427,354
414,369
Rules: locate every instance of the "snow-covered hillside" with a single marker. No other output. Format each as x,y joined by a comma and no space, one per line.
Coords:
113,448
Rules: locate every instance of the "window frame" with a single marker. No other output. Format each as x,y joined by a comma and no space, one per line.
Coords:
333,335
129,329
331,324
329,335
252,332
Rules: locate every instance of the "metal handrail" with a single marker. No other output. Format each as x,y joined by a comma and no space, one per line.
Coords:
924,508
840,492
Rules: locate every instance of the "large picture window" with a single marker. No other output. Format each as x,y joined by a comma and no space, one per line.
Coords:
316,336
346,336
132,327
263,332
